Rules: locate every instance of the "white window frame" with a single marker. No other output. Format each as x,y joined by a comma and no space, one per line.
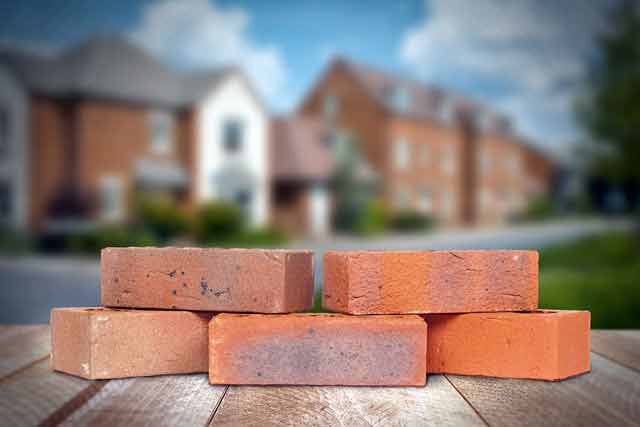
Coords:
330,105
242,135
111,183
402,199
161,126
425,200
401,153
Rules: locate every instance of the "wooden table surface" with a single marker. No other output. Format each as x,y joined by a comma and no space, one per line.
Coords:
31,394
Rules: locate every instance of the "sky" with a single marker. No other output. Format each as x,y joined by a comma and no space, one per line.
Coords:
525,58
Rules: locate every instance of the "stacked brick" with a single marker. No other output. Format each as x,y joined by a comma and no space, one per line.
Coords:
233,313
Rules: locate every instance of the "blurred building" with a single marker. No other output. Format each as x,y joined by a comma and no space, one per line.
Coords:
436,152
83,132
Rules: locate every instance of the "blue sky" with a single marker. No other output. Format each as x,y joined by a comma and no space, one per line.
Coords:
525,58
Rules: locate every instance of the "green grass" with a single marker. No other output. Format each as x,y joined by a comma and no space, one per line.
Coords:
600,274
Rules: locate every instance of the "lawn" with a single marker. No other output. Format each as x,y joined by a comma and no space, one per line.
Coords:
600,274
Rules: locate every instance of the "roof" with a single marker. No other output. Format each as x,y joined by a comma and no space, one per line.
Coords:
299,149
423,100
110,66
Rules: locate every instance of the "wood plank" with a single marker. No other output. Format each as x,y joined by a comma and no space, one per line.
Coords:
437,403
157,401
622,346
608,395
37,393
21,345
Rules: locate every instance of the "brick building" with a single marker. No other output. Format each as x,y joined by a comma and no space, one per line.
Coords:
437,152
83,132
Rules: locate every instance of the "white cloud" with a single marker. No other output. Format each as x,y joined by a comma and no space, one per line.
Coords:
195,34
533,49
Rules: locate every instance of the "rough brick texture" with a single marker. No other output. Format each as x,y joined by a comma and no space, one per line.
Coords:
547,344
430,281
99,343
241,280
317,349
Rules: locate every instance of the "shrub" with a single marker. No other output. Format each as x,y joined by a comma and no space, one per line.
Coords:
374,219
538,209
218,222
14,242
92,242
260,237
161,216
409,220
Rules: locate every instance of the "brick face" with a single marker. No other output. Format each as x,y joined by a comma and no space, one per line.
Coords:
106,139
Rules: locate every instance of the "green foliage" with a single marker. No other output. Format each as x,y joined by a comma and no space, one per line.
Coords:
91,242
373,219
259,237
218,222
538,209
599,274
610,110
161,216
410,220
14,242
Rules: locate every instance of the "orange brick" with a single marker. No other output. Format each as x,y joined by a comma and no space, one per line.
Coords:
546,344
378,282
98,343
244,280
317,349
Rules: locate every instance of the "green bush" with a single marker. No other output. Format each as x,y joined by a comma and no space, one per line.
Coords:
92,242
539,208
409,220
14,242
161,216
259,237
374,219
218,222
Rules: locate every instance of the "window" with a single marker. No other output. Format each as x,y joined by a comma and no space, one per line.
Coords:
424,201
448,204
111,198
161,132
398,99
5,201
448,160
401,153
401,199
4,131
232,136
331,105
243,199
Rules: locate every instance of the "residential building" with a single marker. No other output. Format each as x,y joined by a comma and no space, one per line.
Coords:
436,152
84,131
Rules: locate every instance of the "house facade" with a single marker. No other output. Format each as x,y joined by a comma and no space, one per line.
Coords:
84,132
437,152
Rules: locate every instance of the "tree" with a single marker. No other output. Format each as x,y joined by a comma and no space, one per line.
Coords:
610,110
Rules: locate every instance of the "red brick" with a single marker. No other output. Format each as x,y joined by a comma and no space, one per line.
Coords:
243,280
546,344
317,349
98,343
378,282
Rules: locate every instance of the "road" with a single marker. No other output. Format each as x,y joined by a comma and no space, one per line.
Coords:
30,287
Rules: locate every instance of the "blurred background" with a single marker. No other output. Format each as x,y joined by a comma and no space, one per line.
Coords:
324,125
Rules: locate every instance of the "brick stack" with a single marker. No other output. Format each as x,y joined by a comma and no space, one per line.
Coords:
231,313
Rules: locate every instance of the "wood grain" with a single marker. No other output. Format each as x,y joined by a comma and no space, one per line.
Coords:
438,403
157,401
22,345
32,396
608,395
622,346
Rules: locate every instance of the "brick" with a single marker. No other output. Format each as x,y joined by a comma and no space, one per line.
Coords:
317,349
100,343
378,282
241,280
546,344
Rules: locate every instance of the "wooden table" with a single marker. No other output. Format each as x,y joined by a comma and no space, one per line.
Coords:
30,394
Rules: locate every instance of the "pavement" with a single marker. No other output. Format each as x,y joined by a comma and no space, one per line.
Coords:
31,286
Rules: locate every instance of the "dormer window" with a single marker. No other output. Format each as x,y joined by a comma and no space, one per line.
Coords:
232,136
331,105
398,99
161,123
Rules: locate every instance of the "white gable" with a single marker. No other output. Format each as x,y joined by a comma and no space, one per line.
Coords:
222,172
